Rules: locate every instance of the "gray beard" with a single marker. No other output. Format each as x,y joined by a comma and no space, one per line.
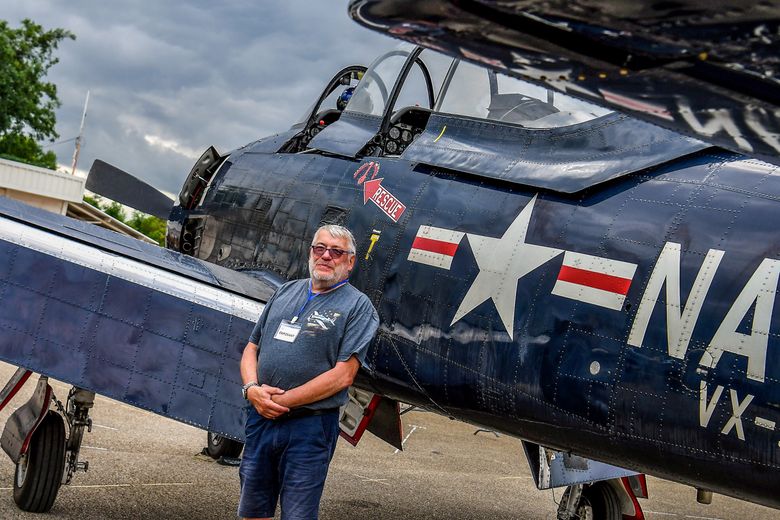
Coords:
319,277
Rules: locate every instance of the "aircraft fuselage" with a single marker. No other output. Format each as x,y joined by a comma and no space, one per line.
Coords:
633,323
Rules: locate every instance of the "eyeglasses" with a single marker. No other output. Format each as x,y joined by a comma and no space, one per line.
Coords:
335,253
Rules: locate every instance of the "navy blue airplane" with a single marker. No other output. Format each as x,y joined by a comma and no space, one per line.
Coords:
598,286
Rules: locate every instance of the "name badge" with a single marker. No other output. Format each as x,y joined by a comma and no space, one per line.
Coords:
287,331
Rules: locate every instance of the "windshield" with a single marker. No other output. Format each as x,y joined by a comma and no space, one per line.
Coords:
461,88
475,91
339,85
373,91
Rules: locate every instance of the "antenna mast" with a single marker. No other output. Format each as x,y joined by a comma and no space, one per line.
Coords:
80,137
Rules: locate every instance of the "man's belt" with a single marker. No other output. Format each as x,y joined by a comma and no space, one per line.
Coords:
297,413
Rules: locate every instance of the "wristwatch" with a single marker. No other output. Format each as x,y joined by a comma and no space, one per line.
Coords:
247,387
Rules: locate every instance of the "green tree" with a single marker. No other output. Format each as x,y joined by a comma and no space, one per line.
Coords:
115,210
23,148
27,101
151,226
92,201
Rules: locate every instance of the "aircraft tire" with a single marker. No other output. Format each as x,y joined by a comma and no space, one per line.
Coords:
218,446
37,478
603,500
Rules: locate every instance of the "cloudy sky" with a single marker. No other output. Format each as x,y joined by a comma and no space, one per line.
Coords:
167,79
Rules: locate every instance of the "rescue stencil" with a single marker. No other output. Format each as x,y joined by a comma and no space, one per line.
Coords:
383,199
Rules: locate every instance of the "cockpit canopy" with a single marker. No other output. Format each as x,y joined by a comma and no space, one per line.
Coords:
442,84
426,108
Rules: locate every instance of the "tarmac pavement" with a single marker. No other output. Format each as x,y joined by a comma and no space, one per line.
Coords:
143,466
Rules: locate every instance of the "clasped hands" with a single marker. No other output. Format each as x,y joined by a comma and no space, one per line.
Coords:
262,398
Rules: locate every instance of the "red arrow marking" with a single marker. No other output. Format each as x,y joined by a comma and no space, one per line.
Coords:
384,200
370,188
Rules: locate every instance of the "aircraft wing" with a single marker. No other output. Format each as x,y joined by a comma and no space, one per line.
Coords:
704,69
138,323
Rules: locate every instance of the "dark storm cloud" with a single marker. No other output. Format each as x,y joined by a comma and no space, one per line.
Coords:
168,79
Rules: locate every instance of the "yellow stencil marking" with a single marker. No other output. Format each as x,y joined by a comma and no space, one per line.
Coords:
441,134
374,239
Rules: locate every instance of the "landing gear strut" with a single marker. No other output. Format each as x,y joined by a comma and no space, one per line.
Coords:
76,412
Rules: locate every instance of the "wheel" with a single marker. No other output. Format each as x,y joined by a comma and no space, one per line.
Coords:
219,446
604,501
39,472
599,501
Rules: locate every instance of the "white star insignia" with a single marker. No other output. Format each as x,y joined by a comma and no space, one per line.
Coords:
502,262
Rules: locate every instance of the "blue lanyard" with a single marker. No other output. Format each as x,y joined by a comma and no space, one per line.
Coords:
311,296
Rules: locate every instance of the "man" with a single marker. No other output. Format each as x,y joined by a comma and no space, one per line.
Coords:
304,352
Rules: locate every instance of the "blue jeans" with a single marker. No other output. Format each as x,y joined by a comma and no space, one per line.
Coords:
287,460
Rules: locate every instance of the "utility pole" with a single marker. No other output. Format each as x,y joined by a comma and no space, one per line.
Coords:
80,137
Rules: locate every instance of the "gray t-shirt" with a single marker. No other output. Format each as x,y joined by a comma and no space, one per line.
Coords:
333,326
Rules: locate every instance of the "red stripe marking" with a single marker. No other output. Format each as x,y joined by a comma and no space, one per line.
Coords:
435,246
605,282
19,384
